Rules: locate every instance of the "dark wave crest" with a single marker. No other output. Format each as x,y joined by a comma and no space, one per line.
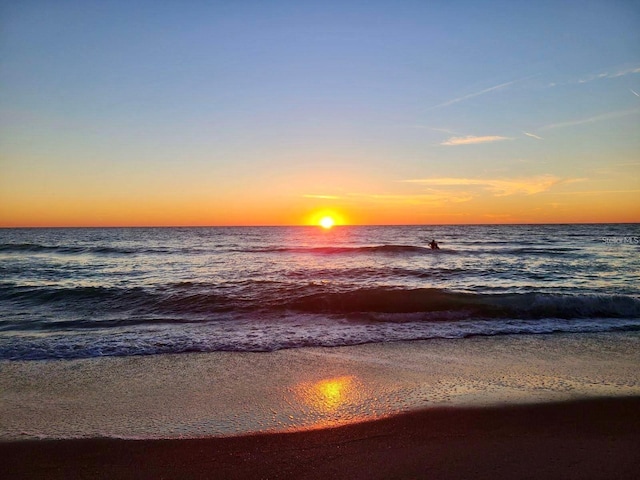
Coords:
136,301
536,250
382,249
522,305
342,250
69,249
85,307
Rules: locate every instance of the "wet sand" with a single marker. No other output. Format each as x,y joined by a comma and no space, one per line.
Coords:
589,439
546,406
225,393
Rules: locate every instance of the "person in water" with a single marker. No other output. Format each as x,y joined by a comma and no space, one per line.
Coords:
434,245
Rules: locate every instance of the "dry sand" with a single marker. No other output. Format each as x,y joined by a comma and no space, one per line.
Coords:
593,439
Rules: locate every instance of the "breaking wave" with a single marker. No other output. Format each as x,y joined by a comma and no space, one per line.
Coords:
74,250
194,302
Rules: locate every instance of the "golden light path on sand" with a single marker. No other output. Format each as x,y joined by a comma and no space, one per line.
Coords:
330,394
231,393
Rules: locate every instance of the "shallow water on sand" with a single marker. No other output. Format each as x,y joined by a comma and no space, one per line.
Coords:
222,393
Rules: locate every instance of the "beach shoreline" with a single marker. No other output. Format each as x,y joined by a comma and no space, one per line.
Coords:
586,439
537,406
221,394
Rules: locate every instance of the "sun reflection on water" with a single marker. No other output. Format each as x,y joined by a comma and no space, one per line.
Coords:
329,395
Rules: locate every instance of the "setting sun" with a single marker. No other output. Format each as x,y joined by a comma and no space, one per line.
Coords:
327,222
326,218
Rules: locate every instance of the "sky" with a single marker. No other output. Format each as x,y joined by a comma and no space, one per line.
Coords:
118,113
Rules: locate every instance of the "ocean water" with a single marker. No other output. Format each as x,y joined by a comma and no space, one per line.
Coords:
81,293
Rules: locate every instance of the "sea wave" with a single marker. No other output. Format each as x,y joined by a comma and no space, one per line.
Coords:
386,249
374,249
75,249
68,293
293,331
517,305
202,302
26,248
136,300
536,250
474,249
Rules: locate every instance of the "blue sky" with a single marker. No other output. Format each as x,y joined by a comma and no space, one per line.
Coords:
392,112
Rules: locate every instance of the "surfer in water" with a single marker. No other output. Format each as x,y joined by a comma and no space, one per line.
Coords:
434,245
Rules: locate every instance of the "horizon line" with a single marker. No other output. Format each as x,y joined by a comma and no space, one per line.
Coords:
2,227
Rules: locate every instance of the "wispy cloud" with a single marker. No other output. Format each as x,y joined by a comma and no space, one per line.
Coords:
593,192
498,186
615,169
470,140
619,72
634,92
432,198
533,136
448,190
322,197
442,130
596,118
615,74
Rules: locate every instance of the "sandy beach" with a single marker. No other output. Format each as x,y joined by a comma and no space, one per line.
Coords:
592,439
555,406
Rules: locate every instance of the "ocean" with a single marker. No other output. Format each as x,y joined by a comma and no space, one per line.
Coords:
68,293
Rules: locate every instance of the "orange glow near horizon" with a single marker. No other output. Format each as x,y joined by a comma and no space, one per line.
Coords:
82,209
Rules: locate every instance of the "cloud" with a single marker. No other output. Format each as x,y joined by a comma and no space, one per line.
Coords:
634,92
413,199
621,72
596,118
533,136
627,71
498,186
592,77
442,130
322,197
470,140
593,192
615,74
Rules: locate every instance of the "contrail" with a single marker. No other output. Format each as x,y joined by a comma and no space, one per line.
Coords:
634,92
471,95
481,92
